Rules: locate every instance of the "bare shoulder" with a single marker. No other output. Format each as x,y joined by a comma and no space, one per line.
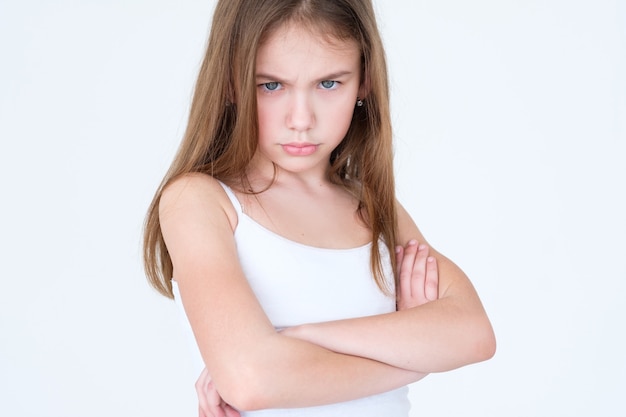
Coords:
407,229
196,219
196,194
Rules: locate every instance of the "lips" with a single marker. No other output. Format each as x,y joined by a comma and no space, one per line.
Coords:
299,148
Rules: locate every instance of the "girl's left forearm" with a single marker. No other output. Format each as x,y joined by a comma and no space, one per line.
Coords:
441,335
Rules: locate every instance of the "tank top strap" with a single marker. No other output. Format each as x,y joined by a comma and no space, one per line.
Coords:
233,198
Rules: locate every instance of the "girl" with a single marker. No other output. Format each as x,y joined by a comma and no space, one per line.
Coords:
275,224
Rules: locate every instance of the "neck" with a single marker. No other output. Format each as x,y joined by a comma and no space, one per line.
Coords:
261,173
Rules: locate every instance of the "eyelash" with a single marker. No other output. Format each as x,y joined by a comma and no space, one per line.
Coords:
335,84
277,85
270,90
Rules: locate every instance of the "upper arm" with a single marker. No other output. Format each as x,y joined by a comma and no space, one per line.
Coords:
197,226
451,277
251,365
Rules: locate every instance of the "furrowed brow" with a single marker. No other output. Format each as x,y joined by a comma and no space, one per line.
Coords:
331,76
264,76
335,75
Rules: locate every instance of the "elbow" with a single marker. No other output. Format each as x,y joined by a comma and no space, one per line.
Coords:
487,348
242,396
244,389
241,399
472,342
484,344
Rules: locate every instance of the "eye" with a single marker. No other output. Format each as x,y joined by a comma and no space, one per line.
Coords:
271,86
329,84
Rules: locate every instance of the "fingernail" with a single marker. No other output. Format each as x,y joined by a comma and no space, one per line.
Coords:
431,259
398,249
412,242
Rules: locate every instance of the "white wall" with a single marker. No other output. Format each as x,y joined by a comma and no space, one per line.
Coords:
510,120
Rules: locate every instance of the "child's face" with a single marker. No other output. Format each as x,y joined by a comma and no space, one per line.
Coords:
306,93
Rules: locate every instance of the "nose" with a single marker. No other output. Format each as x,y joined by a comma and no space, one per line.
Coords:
300,115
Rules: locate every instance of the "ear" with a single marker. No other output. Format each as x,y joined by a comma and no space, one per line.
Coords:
364,88
363,92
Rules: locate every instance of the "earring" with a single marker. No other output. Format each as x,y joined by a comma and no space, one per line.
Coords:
359,102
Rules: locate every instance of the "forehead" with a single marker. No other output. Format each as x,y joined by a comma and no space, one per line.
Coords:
291,43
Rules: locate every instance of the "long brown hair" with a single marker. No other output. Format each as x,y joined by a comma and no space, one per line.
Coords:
221,135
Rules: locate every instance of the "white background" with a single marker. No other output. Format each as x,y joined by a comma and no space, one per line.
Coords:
510,121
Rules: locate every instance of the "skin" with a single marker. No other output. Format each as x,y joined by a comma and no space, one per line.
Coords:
419,285
306,93
448,333
307,89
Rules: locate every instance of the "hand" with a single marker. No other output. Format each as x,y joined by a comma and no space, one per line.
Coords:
418,275
210,404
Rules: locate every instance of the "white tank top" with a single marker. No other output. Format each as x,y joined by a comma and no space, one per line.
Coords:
297,284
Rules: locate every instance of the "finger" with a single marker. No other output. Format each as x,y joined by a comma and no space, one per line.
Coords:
231,412
399,256
203,413
209,400
418,276
214,401
431,287
406,269
203,404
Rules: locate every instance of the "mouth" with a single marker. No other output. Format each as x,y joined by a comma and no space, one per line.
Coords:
299,148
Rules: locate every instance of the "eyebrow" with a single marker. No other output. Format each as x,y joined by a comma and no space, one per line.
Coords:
330,76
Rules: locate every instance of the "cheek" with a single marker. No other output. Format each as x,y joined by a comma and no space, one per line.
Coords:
335,123
264,116
341,112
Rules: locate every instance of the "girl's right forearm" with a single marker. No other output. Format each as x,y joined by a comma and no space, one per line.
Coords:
290,373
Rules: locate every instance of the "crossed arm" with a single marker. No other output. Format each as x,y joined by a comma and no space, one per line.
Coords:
437,336
255,367
419,285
